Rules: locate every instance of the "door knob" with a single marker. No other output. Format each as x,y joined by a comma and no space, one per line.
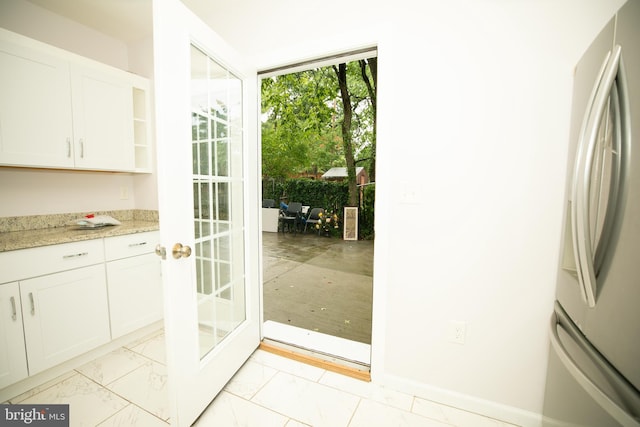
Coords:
180,251
161,251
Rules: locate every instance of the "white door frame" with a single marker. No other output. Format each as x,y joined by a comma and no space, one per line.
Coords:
318,56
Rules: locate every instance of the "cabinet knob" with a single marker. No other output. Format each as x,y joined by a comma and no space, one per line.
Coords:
161,251
180,251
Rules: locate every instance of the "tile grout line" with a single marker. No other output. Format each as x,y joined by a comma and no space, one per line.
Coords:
314,381
354,411
251,401
53,384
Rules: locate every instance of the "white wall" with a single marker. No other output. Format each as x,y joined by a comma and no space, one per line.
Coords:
474,98
36,192
474,102
32,21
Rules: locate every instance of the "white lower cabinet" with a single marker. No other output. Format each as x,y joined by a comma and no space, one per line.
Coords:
134,281
13,359
65,314
135,293
58,302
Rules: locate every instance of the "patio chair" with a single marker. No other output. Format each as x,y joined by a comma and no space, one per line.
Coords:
313,218
291,216
268,203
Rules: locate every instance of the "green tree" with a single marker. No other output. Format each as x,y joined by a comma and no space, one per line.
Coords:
314,120
347,144
298,128
357,84
369,73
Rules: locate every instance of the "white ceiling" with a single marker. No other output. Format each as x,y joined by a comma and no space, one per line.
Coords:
127,20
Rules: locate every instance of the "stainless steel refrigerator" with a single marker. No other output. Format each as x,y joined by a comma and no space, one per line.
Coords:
594,359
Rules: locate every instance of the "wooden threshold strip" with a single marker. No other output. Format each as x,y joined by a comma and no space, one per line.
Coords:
317,362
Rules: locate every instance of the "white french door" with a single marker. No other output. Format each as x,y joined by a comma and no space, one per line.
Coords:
206,115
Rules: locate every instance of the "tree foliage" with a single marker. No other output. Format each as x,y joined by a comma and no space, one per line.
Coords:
298,128
321,118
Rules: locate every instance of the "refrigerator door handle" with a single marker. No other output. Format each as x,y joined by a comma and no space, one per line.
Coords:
560,319
619,155
581,191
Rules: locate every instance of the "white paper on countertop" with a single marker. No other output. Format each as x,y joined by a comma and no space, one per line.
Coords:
93,221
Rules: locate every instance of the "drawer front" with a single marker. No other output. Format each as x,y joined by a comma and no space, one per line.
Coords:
130,245
34,262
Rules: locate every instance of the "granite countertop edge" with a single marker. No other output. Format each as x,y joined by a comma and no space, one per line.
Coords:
15,240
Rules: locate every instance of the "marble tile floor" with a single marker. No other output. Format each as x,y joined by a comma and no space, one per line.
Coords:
128,388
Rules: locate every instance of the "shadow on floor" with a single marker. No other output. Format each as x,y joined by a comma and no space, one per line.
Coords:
319,283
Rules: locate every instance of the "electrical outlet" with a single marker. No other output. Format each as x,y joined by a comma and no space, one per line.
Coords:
457,331
124,192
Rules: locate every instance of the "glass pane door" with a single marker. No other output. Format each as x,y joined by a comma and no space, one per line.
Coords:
206,137
216,139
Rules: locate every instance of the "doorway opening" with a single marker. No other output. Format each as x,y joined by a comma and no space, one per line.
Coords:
318,158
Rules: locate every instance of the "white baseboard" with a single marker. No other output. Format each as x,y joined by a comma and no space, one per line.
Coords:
50,374
465,402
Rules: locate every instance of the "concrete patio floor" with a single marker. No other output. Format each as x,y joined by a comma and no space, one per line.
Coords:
318,283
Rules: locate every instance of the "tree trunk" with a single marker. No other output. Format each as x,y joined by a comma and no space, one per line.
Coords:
372,89
341,72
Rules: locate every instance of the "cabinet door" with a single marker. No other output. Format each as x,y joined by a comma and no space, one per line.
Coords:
13,359
135,293
65,314
35,108
103,119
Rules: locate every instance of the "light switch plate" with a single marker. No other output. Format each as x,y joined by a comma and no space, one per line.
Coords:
457,331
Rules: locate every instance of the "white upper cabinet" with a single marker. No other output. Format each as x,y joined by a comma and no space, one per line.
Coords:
102,119
36,123
59,110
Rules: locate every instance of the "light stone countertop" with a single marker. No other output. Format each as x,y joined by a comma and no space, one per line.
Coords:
43,230
15,240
